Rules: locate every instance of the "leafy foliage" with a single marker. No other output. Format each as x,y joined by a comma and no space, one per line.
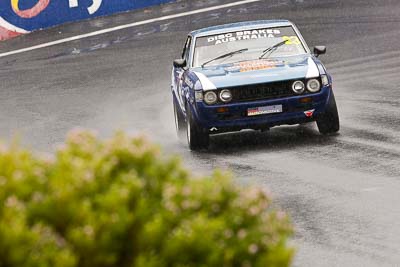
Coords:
120,203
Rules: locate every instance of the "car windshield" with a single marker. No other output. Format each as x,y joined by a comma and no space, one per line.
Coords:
256,41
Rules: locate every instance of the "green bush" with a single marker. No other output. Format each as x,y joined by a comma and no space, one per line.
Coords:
120,203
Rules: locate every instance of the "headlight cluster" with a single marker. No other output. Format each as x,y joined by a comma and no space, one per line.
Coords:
211,97
312,86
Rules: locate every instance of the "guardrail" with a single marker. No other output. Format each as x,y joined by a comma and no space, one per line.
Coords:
23,16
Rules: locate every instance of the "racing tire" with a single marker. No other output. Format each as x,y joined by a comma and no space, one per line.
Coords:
197,137
180,123
328,122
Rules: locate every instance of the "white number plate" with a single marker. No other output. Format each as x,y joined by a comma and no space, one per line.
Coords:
264,110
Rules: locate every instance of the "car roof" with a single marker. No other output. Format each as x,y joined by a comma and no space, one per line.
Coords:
240,26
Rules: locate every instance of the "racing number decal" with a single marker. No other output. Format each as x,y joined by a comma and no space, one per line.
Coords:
31,12
291,40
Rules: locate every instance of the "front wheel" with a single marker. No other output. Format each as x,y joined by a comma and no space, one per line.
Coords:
197,137
328,122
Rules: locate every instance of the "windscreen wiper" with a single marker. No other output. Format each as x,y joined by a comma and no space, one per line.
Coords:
272,48
226,55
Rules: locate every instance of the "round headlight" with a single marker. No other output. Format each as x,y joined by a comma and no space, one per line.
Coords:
225,95
313,85
210,97
298,87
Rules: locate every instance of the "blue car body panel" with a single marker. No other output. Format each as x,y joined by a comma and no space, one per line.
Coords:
305,66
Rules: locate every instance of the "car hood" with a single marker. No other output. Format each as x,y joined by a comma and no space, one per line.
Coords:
257,71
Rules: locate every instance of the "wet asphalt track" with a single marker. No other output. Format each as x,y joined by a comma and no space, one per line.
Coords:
341,191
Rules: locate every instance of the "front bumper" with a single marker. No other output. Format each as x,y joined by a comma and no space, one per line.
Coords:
236,118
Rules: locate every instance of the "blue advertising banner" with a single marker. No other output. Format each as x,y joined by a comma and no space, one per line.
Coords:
22,16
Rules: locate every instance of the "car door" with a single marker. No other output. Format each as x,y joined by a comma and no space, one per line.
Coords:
180,73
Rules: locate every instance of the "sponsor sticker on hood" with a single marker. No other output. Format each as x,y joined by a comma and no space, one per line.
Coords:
246,66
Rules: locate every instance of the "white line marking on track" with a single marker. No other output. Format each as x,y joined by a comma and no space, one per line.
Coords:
125,26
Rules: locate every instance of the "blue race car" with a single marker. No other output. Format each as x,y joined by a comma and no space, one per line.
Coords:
250,75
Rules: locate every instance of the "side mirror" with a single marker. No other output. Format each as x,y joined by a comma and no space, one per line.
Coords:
180,63
319,50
